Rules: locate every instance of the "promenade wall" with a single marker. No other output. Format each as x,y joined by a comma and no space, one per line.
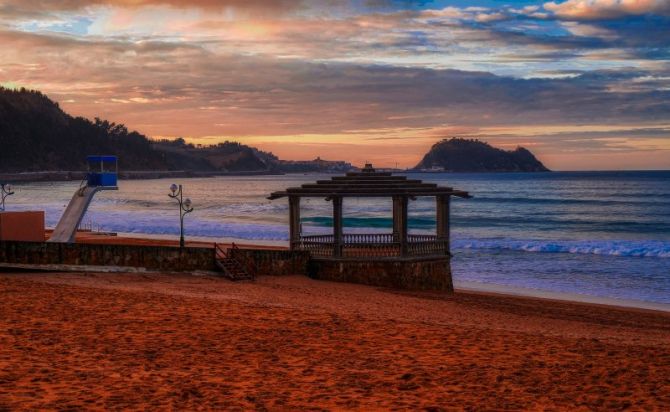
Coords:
428,274
84,254
274,262
432,274
424,273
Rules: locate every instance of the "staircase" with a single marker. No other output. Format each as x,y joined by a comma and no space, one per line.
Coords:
231,267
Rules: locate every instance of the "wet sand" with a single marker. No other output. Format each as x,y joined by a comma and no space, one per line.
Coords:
116,341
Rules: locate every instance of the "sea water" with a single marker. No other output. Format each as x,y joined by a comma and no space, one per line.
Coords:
604,234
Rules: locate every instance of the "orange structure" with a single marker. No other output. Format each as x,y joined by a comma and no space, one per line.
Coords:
22,226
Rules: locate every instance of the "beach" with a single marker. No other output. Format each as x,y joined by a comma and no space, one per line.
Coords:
167,341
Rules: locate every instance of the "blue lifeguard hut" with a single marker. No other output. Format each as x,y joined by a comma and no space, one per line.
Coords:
102,171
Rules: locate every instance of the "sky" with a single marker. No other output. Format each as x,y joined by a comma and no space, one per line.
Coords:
584,84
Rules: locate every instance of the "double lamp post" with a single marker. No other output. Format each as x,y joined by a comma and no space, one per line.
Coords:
5,190
185,207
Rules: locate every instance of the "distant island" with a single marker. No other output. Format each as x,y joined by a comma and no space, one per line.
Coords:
468,155
36,135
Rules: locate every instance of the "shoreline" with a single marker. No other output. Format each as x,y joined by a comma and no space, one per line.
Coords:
515,291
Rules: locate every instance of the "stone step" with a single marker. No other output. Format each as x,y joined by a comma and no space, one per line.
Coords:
232,269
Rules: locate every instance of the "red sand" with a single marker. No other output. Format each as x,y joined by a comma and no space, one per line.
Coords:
73,341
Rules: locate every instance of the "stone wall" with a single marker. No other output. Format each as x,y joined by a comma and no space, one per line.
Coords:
149,257
274,262
409,274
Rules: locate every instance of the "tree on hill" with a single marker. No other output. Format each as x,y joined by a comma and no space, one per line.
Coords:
36,135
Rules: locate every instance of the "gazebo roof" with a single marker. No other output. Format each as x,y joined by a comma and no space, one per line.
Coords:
369,183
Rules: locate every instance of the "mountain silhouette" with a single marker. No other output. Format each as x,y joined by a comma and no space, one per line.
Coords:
468,155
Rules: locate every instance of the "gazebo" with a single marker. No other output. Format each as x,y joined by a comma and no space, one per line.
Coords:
382,259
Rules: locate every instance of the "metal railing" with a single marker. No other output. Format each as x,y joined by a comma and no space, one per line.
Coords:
373,245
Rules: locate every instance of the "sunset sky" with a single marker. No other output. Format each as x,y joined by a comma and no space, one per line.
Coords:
584,84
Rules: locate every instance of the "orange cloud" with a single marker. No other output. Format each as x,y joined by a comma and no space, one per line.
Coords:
53,5
603,9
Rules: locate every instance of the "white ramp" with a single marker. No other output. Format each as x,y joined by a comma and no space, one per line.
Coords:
67,225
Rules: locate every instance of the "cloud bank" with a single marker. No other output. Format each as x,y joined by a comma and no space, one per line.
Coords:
607,9
343,77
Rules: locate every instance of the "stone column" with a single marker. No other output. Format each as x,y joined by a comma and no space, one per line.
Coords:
400,204
337,226
442,218
396,219
294,221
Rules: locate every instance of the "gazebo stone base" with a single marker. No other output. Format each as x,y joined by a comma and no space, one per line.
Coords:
426,273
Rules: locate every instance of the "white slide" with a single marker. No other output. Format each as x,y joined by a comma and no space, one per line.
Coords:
67,226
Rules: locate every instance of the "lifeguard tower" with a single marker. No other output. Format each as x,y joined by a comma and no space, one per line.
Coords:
102,175
102,172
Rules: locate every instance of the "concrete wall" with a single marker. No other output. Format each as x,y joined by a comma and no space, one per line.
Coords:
149,257
22,226
274,262
409,274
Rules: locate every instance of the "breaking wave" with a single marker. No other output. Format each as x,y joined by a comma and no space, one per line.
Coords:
656,249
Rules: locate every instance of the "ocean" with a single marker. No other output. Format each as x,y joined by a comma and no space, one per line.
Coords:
600,234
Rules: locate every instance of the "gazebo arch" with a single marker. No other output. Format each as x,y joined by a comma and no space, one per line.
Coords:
370,183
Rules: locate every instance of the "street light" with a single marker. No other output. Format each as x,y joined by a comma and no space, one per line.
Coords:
5,190
185,207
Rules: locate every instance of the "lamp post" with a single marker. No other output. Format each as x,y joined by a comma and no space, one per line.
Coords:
185,208
5,190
